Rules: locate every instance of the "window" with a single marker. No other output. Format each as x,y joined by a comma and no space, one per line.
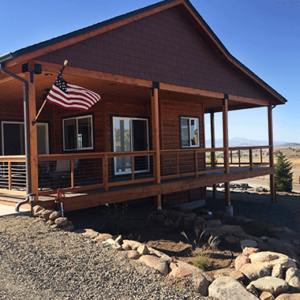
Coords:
189,132
130,134
13,140
78,133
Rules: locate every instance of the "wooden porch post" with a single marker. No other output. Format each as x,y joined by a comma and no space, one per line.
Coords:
225,146
29,77
213,145
155,138
271,154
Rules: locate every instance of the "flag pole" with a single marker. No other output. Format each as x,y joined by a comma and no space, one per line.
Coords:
35,119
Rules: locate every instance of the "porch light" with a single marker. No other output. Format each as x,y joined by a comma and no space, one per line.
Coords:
48,74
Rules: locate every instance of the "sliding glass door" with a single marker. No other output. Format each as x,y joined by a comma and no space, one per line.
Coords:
130,134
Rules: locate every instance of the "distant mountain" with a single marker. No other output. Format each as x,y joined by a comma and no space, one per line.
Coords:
239,142
288,145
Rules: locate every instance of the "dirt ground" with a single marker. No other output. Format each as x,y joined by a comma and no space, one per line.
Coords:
130,220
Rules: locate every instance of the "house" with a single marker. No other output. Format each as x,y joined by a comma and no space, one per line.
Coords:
158,70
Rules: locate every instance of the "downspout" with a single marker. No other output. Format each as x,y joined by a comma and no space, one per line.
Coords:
26,132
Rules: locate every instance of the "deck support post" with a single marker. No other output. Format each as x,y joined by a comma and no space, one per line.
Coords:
271,154
29,77
225,146
155,139
213,145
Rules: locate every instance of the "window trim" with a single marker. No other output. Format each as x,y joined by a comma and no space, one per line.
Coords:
92,148
189,118
125,117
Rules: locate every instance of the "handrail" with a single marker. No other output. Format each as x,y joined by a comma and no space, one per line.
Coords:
13,158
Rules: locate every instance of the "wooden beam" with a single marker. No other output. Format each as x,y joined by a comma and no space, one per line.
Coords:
225,135
32,134
155,140
248,100
213,145
271,154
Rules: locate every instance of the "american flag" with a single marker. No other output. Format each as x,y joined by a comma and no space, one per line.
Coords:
71,96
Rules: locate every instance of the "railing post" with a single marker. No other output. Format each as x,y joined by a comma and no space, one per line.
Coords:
132,167
239,153
72,173
9,176
270,129
196,164
105,171
250,159
225,146
261,156
213,145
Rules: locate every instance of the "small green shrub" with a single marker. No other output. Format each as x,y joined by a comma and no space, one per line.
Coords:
202,262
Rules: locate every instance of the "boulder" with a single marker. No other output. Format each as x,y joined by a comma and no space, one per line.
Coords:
90,233
225,288
50,222
55,215
213,223
290,273
240,261
166,258
119,240
67,227
277,271
253,290
288,297
143,250
248,243
126,247
133,244
266,296
156,263
292,277
237,275
256,270
232,240
102,237
222,272
61,221
46,213
37,210
248,250
133,254
275,286
197,279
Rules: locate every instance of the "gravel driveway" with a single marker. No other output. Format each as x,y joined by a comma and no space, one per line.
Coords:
37,262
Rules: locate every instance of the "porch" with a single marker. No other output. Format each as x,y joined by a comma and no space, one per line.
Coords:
90,179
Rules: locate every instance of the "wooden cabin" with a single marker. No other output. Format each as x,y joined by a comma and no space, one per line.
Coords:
158,71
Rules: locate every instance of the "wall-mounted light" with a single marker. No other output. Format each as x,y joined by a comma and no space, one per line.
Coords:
48,74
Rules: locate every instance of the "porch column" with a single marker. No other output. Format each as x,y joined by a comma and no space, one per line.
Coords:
155,138
225,146
271,154
29,77
213,145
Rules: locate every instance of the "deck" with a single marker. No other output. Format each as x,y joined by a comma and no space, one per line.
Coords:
96,184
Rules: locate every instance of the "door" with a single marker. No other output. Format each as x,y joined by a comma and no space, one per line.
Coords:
130,134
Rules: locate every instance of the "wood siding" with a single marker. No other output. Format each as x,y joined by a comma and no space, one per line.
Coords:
163,47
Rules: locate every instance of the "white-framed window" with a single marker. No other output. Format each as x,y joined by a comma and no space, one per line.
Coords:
78,133
130,134
13,139
189,132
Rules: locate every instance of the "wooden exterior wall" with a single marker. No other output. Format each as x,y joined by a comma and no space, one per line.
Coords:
163,47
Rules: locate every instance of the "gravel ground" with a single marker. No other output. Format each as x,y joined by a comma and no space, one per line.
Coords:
37,262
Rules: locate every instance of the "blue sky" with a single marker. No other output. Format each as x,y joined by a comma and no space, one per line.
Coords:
263,34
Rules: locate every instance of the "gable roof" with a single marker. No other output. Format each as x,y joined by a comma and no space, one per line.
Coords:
24,54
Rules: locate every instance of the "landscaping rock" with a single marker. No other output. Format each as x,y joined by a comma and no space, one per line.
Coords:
126,247
133,254
55,215
197,279
253,290
290,273
119,240
237,275
143,250
292,277
275,286
46,213
232,240
166,258
50,222
61,221
266,296
67,227
133,244
102,237
277,271
37,210
240,261
155,263
90,233
222,272
248,250
213,223
256,270
225,288
248,243
288,297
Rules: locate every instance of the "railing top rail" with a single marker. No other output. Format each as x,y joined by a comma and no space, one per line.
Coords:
249,147
198,150
12,158
65,156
